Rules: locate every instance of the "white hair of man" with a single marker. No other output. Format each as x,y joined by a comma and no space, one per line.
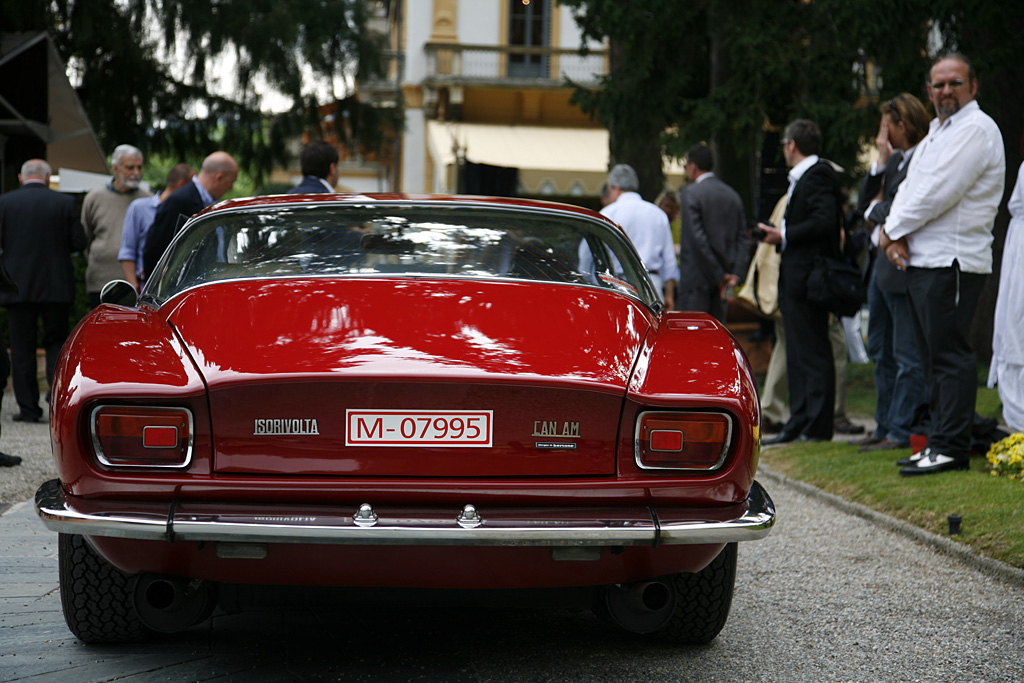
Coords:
624,177
122,151
35,168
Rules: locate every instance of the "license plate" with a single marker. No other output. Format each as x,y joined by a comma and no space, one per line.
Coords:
418,427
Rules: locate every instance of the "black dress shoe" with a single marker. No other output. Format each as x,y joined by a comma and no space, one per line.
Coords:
803,438
22,417
771,426
935,462
868,440
844,426
9,460
781,437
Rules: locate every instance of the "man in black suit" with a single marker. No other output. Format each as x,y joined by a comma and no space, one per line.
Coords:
216,177
811,228
39,230
319,160
713,246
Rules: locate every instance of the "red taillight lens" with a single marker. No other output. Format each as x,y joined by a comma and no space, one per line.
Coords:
682,441
142,436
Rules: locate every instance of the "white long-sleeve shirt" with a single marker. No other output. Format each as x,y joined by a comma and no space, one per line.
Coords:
947,205
648,228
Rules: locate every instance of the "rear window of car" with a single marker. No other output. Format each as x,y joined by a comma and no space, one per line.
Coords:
401,241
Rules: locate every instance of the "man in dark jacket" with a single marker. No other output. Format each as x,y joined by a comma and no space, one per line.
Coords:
713,246
216,177
319,161
811,228
39,230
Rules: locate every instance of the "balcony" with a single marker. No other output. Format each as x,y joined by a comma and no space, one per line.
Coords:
515,66
456,65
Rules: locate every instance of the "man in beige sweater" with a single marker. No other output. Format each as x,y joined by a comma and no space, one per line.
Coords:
103,214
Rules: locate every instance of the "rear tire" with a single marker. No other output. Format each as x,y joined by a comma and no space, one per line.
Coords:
95,596
692,613
703,600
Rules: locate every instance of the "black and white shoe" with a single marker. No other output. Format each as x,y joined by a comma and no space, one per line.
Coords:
912,460
935,462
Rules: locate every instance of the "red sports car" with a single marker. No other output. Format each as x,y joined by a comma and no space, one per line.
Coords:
397,391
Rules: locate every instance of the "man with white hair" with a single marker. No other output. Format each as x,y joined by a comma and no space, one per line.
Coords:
648,228
39,230
103,213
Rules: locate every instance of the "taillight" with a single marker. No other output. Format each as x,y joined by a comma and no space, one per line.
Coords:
682,440
142,436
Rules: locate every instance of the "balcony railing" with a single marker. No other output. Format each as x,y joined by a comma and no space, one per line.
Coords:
485,64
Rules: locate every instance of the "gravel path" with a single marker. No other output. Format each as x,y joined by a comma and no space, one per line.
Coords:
31,441
828,596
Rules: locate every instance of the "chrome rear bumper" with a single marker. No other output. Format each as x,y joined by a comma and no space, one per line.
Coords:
637,526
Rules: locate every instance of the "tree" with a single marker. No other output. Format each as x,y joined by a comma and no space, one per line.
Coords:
728,71
733,72
121,52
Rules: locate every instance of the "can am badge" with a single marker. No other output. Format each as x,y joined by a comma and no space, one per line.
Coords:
554,429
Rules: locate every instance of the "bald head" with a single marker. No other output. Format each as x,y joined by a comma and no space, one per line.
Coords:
218,174
34,169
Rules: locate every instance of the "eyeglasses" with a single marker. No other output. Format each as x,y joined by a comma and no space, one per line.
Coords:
941,85
894,111
785,141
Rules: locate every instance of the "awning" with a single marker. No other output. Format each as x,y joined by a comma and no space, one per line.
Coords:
555,161
70,141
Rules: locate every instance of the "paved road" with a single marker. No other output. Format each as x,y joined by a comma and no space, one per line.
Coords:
827,597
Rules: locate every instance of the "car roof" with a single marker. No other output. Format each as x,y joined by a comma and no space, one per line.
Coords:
345,198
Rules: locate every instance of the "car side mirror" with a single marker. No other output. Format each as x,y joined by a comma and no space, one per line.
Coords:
119,293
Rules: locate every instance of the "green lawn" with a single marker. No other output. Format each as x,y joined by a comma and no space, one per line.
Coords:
992,507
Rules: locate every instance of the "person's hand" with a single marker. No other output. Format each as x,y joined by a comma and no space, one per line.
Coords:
772,235
670,295
883,144
895,250
729,280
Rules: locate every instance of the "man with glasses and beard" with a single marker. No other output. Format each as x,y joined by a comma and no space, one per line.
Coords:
103,213
939,229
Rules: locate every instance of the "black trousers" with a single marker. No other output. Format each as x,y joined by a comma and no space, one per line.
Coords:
23,322
943,301
809,365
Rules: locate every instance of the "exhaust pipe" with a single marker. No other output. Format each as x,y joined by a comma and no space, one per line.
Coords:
641,607
168,604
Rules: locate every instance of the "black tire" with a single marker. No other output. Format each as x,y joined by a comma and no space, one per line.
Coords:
95,596
703,600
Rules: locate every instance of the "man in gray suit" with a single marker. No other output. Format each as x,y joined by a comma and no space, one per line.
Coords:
713,245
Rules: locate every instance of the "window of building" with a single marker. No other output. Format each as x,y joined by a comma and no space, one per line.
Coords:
529,26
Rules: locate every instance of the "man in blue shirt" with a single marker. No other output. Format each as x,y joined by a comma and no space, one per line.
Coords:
137,220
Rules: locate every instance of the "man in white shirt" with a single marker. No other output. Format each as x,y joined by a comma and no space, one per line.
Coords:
939,229
648,228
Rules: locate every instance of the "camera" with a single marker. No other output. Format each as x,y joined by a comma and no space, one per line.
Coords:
758,232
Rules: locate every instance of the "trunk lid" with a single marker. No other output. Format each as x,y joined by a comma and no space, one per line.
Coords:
412,377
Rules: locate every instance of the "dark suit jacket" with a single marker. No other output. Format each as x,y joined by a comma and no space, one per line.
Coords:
310,185
173,211
39,230
888,277
813,220
713,236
